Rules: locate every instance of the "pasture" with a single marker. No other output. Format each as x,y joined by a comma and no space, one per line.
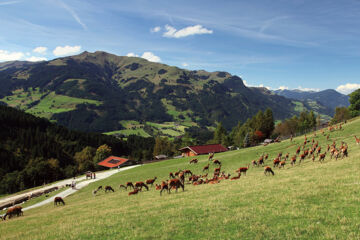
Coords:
311,200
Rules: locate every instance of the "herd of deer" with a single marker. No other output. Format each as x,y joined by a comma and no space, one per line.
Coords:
180,178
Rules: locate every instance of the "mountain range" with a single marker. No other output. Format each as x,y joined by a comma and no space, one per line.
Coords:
328,98
102,92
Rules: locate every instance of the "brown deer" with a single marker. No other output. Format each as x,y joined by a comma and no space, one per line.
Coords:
276,162
151,181
298,150
11,212
357,140
164,186
322,157
206,168
282,164
293,160
58,200
302,158
194,161
344,151
171,175
217,162
268,170
243,169
136,190
109,189
175,183
187,172
130,184
140,185
236,177
122,186
254,163
211,155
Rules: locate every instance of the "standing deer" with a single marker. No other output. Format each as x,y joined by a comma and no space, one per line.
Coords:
151,181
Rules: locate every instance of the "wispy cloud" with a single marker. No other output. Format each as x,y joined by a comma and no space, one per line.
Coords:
171,32
8,3
73,14
41,50
155,29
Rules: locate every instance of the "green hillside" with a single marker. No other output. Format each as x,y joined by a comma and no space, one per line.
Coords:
310,200
98,91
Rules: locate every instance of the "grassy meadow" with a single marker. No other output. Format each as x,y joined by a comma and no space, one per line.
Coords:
306,201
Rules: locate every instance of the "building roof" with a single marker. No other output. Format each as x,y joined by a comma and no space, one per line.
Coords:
112,161
204,149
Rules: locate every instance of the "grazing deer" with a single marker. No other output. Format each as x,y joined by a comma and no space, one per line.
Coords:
187,172
175,183
136,190
141,185
266,156
109,189
130,184
357,140
236,177
151,181
171,175
322,157
298,150
58,200
122,186
287,156
206,168
193,161
17,210
268,170
243,169
217,162
254,163
157,186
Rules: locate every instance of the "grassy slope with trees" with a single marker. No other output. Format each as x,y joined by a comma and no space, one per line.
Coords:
307,201
103,89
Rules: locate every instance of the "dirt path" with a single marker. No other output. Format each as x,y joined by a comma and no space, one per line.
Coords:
99,176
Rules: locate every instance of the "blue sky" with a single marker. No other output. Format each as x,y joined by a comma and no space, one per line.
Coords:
288,44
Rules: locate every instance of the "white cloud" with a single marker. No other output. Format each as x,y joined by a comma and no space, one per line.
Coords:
171,32
132,55
10,56
260,85
185,64
155,29
283,88
35,59
308,89
66,50
41,50
151,57
348,88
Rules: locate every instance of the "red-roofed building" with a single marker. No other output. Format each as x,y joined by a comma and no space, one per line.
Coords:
202,149
112,161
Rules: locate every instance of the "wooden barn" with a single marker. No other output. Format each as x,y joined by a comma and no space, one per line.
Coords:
202,149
